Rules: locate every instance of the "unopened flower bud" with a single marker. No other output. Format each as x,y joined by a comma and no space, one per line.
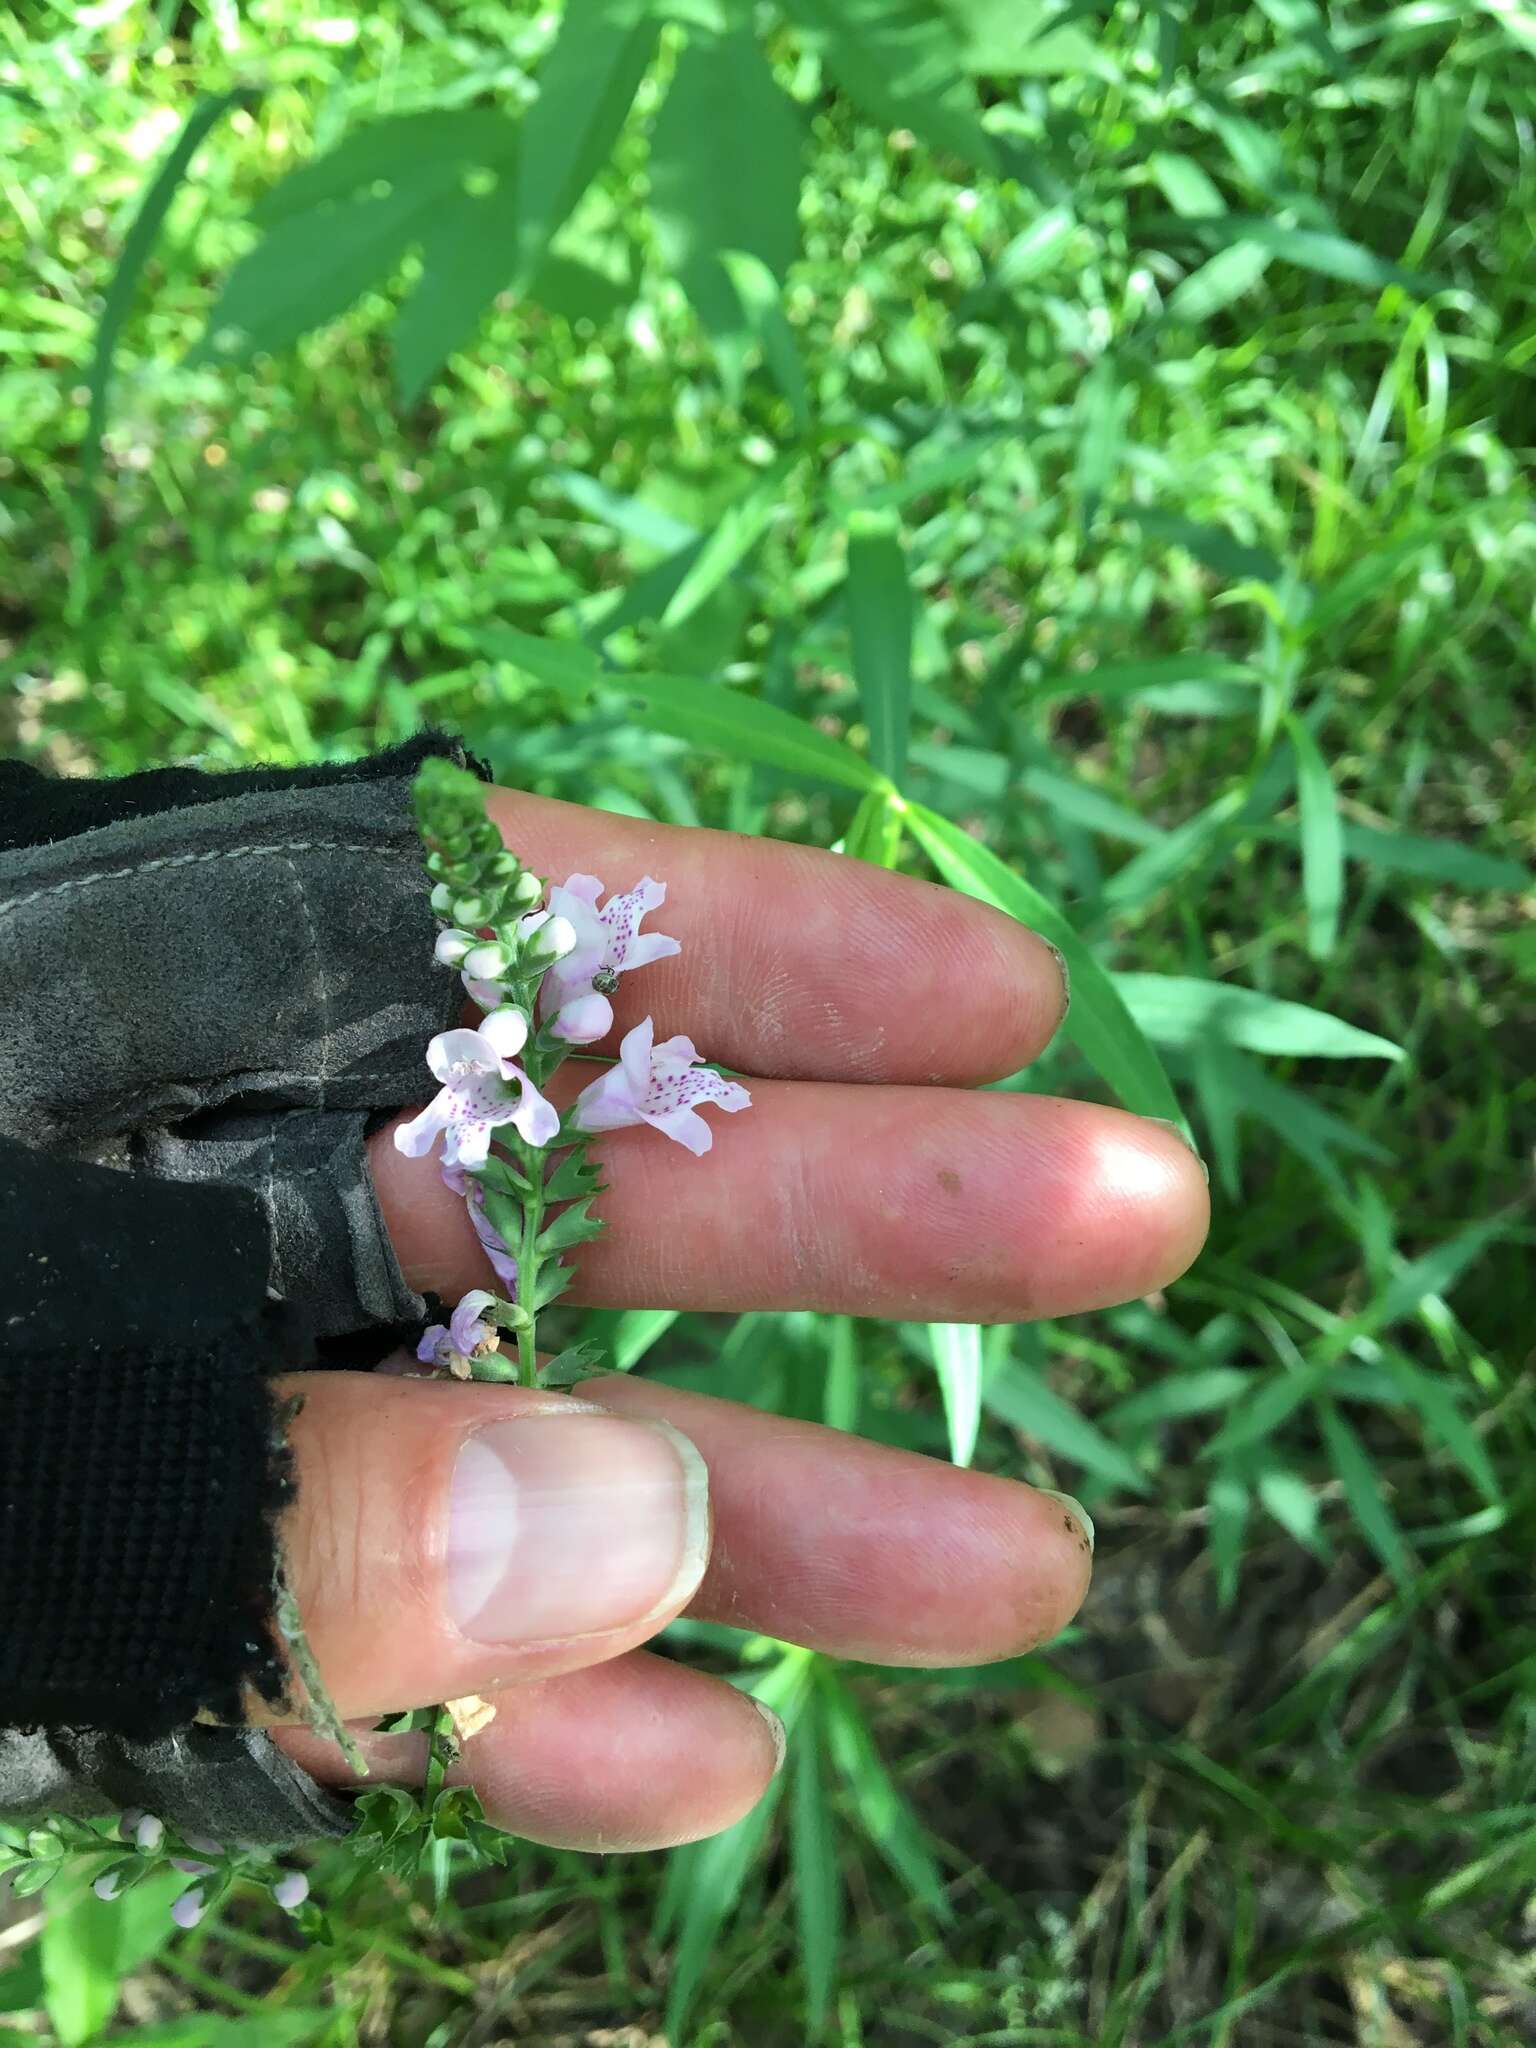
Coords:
488,962
472,910
149,1834
441,899
128,1825
189,1866
108,1886
527,890
549,937
507,1029
189,1908
291,1890
452,947
584,1019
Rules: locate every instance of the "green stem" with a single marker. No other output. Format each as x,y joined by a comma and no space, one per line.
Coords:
528,1263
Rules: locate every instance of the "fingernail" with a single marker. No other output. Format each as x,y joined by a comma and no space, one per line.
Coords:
777,1730
1167,1123
1075,1510
572,1523
1066,982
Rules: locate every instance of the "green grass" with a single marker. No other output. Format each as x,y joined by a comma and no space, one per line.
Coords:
1205,412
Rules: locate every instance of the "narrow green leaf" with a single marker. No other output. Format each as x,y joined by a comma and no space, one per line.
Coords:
1185,185
957,1358
587,85
1035,251
1112,680
878,1806
904,66
311,266
1228,1500
1217,283
1103,401
1191,1392
467,257
880,620
732,539
433,147
1322,841
1018,1396
137,244
1310,249
1364,1492
1436,860
1436,1402
816,1880
1258,1417
725,176
876,832
707,715
1433,1273
1287,1497
80,1961
1098,1021
637,1331
757,291
1178,1010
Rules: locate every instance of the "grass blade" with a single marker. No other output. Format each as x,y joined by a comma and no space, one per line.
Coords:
1322,841
880,620
957,1357
1098,1022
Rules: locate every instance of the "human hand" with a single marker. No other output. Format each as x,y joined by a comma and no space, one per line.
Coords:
871,1178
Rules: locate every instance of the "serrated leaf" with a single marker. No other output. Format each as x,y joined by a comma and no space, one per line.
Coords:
573,1226
1179,1010
1098,1021
552,1283
575,1362
587,85
1019,1397
574,1175
880,622
957,1359
1322,841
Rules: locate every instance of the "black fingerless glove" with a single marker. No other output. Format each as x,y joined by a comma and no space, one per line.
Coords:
211,987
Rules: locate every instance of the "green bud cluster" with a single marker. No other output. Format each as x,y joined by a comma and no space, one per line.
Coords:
476,880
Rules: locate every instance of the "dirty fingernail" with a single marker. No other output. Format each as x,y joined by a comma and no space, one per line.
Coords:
1074,1508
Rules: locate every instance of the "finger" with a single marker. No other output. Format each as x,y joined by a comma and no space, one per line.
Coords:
447,1539
924,1204
805,963
636,1754
863,1551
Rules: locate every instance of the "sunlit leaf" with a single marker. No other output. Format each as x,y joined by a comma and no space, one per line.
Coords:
1097,1020
1178,1010
880,620
957,1359
1322,841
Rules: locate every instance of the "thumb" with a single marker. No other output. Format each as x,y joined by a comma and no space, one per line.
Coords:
445,1539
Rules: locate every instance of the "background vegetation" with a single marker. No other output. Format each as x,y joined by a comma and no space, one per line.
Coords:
1110,425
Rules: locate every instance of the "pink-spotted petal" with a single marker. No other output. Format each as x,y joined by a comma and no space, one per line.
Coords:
421,1133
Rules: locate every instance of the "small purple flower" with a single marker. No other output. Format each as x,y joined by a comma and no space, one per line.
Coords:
609,942
502,1263
475,1098
464,1337
658,1085
189,1908
291,1890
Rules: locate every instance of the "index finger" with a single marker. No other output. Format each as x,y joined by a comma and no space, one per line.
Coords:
807,964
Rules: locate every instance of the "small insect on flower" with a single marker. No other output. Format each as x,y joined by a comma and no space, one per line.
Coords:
609,942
